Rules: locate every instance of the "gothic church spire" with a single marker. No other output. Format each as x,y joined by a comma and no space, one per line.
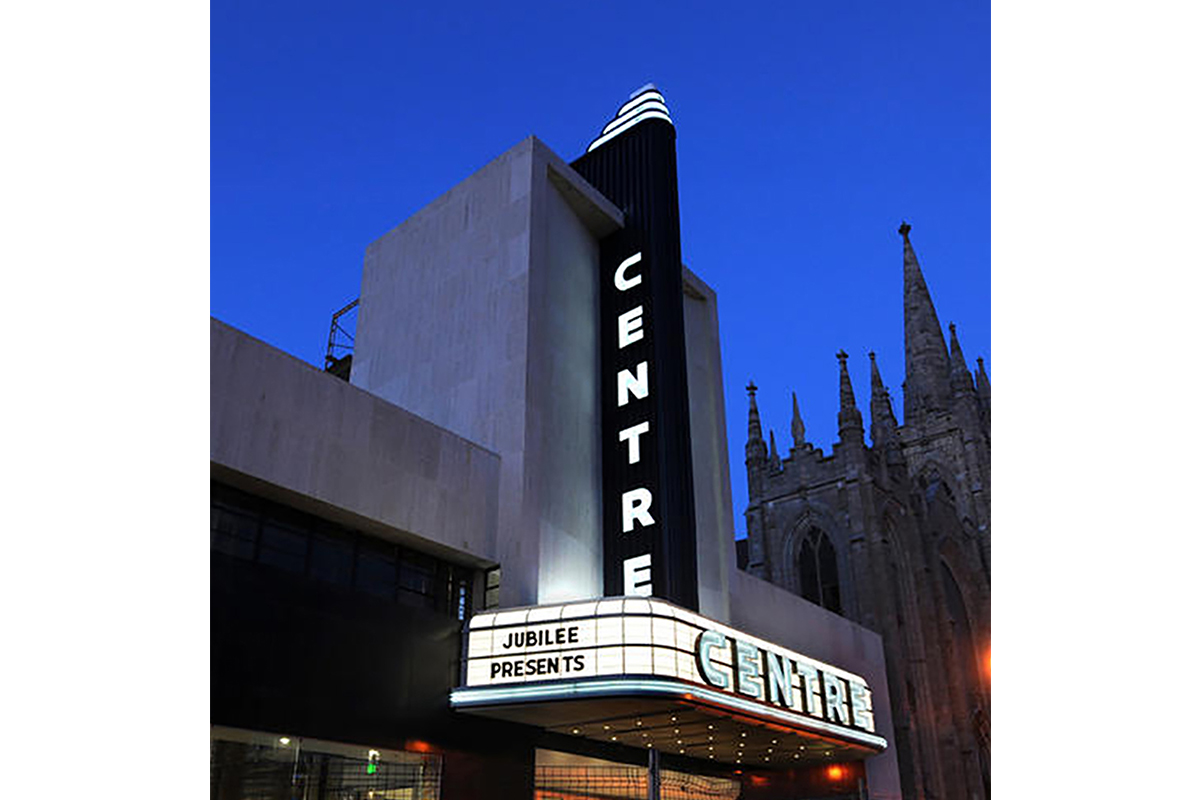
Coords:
797,425
926,362
883,419
850,426
960,374
756,450
984,388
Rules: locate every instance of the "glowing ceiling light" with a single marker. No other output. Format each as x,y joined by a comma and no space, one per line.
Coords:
284,740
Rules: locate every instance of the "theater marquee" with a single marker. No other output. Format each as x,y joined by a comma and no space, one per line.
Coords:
634,646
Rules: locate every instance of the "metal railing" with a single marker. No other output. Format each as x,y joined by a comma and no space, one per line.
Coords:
339,348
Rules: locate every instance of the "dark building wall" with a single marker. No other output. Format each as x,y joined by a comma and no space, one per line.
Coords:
298,656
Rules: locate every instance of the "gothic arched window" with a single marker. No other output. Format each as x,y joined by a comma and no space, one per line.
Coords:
818,571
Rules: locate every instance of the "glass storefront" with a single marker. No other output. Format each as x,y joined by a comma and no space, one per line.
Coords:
254,765
628,783
566,776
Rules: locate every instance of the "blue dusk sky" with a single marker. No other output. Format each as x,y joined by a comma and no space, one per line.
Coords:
806,133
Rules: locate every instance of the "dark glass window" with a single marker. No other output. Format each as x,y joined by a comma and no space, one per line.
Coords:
375,572
283,545
281,537
810,586
818,571
234,530
831,598
417,578
331,558
491,589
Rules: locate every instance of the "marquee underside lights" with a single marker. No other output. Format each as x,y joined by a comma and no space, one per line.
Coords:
636,647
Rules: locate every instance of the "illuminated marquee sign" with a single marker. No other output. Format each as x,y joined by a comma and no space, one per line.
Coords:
648,507
629,646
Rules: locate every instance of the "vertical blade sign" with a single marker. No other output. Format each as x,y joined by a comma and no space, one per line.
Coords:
649,515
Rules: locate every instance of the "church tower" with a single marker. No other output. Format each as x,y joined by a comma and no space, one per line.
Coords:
895,534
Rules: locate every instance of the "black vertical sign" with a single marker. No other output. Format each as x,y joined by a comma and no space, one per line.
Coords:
649,514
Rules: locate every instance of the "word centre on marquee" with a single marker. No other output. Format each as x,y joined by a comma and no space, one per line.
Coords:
633,386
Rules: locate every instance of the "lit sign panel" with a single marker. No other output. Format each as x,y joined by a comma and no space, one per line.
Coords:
631,646
648,506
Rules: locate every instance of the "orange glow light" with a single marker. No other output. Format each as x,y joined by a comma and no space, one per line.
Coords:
835,772
418,746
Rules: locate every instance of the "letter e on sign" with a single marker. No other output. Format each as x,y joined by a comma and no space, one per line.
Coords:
637,576
748,672
629,327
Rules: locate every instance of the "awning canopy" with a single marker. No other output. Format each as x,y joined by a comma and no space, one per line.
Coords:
646,673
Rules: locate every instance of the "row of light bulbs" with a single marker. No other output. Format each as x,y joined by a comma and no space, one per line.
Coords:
638,723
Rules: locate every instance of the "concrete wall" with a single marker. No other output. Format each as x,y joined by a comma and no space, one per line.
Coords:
563,436
285,428
479,314
716,556
779,616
